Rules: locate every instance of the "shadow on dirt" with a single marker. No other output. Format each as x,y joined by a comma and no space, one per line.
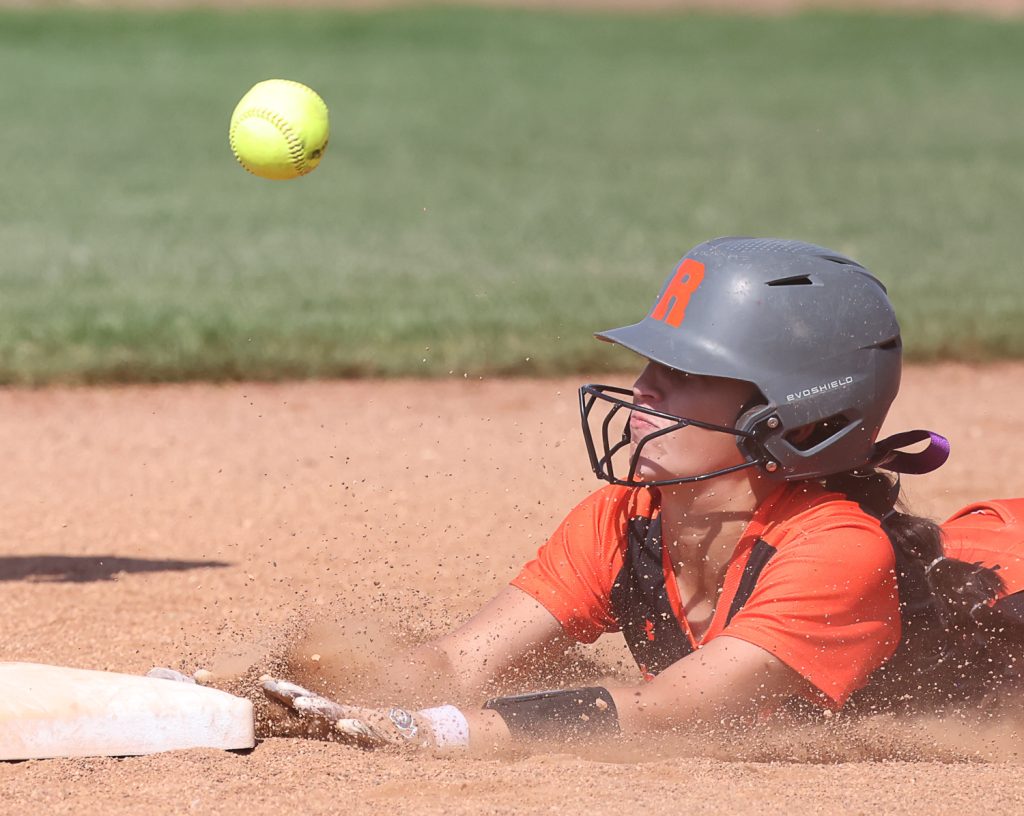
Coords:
84,568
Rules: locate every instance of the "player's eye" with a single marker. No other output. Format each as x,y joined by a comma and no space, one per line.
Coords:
678,376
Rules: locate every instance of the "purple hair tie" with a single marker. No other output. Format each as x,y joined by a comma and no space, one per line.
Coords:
887,454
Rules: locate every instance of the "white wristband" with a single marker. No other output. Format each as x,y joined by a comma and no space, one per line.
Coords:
450,727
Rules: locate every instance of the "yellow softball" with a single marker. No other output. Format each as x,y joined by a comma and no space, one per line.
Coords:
279,129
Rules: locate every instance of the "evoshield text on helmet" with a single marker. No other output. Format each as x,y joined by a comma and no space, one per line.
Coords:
812,330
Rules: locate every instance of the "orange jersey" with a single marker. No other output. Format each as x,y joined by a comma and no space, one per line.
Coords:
991,534
812,581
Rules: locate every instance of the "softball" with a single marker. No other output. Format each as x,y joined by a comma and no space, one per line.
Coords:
279,129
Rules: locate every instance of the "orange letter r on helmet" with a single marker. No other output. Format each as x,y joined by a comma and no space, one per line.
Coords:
678,292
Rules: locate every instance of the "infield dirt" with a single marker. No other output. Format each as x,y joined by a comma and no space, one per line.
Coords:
207,525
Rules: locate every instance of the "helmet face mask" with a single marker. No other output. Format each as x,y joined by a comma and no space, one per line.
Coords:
611,440
813,331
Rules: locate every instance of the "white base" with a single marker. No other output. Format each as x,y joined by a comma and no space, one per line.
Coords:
52,711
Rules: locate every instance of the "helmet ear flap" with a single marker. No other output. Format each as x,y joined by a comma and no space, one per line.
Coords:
758,418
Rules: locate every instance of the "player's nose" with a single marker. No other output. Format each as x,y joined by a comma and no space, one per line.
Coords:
645,388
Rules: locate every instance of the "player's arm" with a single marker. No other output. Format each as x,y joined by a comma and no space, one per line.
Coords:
511,636
727,679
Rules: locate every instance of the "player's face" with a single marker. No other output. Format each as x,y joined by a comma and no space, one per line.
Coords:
687,451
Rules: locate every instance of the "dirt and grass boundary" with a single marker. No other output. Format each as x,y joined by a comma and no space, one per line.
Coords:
996,8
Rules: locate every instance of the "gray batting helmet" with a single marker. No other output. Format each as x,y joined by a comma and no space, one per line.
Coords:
813,330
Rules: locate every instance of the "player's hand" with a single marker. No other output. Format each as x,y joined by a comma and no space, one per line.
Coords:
319,718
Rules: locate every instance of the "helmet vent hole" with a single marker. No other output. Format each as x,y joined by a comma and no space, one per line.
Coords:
793,280
810,436
839,259
889,345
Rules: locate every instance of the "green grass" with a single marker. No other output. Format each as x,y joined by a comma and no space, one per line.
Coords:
498,185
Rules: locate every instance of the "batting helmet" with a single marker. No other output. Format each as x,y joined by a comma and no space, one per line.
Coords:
810,328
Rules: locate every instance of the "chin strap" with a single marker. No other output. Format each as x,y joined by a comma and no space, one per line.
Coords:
887,454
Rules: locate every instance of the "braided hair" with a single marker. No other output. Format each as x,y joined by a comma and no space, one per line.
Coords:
942,653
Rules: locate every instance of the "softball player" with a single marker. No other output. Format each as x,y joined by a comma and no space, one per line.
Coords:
749,543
